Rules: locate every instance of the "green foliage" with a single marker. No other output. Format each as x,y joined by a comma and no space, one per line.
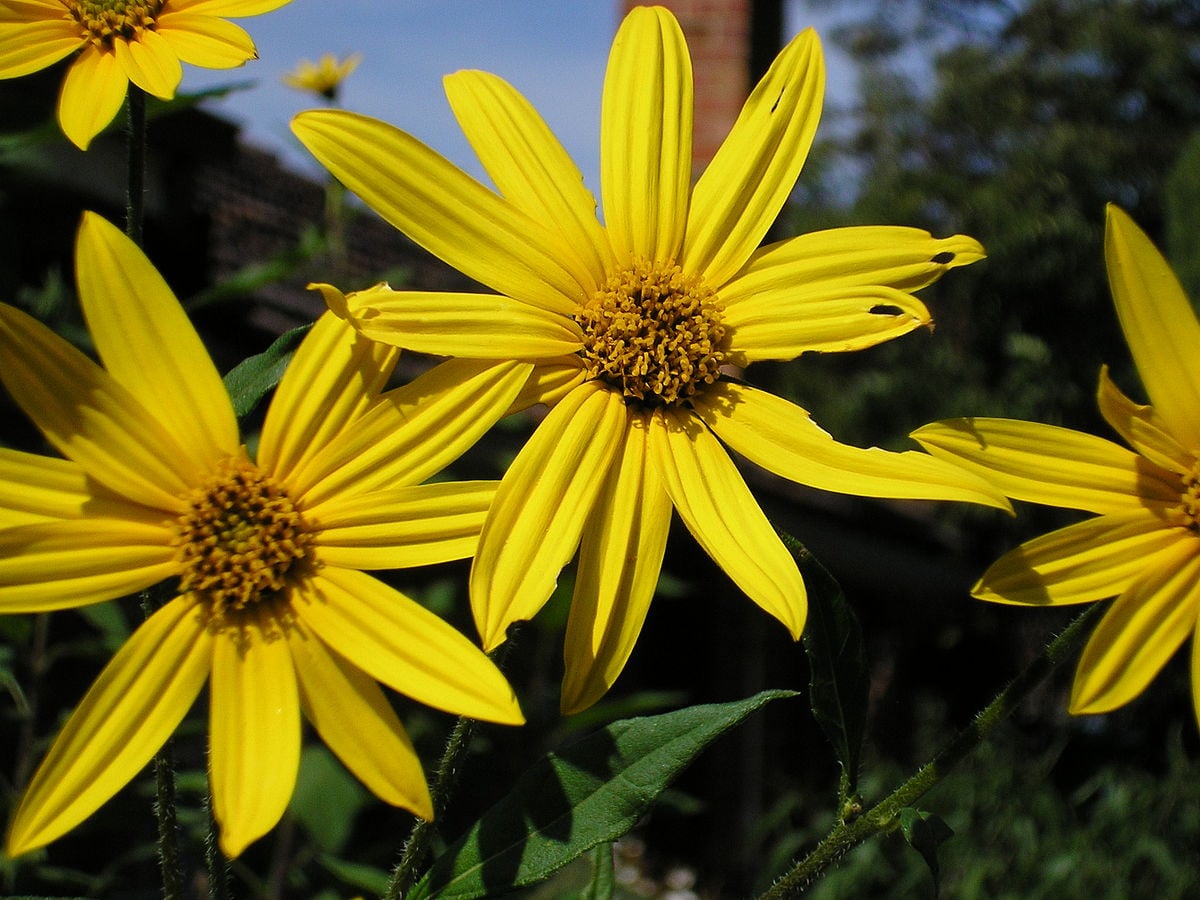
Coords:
587,794
250,380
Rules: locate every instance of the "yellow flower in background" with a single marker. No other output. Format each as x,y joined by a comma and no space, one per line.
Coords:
119,41
271,610
323,77
1144,545
630,324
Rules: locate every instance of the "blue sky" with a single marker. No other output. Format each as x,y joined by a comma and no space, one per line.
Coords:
553,51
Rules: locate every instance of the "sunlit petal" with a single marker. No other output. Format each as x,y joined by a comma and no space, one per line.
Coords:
412,526
254,729
89,416
29,48
354,718
92,93
134,706
404,645
477,326
540,508
37,488
74,562
146,341
202,40
150,63
619,561
1091,560
444,210
782,438
529,166
722,515
1140,632
741,192
1159,324
233,9
550,381
413,431
334,377
1049,464
646,137
1142,427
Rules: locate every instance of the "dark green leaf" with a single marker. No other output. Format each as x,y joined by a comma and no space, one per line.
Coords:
925,832
326,799
603,877
839,677
249,380
357,875
587,794
251,278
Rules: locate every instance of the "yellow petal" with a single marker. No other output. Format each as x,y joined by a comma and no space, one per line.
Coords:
404,645
146,341
550,381
398,529
782,324
646,137
412,432
741,192
478,326
1159,324
724,518
74,562
1142,428
92,93
335,376
1091,560
354,718
130,711
619,561
540,508
1048,464
782,438
254,730
440,207
31,47
206,41
233,9
150,63
529,167
37,488
1140,632
906,259
89,416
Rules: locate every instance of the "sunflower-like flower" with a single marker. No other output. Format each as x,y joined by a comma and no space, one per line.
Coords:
1143,547
270,607
119,41
632,324
323,77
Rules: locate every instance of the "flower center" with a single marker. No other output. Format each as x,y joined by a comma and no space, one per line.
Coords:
103,21
654,332
239,539
1189,509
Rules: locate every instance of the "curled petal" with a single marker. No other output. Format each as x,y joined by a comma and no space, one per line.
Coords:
1144,429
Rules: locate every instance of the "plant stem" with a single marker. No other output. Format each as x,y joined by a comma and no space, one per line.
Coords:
416,848
884,816
135,196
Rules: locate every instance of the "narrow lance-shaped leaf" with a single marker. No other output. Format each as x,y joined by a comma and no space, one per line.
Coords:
249,381
839,678
587,794
925,833
603,877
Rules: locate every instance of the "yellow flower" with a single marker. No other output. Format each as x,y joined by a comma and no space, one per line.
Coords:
630,324
1144,546
143,41
323,77
271,608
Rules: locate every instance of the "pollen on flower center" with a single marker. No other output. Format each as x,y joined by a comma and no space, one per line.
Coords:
654,332
1189,509
103,21
239,539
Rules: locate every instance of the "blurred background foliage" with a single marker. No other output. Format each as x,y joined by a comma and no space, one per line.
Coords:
1013,121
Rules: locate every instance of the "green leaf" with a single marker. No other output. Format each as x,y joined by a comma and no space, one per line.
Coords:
603,877
357,875
925,832
249,381
326,799
255,276
586,794
839,679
